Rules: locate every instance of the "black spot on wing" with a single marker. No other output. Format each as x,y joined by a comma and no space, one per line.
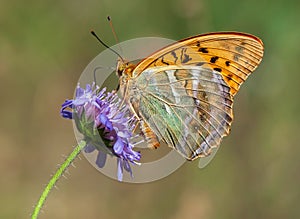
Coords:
218,69
214,59
203,50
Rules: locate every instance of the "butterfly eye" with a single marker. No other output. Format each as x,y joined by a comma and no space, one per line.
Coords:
119,72
121,66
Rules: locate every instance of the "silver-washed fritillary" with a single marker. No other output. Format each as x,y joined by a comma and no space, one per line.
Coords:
183,94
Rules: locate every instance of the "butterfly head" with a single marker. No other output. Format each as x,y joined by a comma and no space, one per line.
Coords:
125,68
124,72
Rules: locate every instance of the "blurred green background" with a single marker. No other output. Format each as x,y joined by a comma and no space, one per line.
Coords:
44,47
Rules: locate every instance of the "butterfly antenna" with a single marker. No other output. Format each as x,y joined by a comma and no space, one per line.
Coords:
114,32
95,35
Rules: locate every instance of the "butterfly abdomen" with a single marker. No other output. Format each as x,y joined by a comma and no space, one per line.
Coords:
149,135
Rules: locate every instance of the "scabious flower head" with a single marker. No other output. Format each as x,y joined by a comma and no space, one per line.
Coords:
106,126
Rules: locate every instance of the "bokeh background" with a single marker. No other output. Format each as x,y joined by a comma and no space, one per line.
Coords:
44,47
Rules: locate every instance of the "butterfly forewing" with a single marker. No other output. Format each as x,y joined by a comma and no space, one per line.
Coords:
235,55
184,92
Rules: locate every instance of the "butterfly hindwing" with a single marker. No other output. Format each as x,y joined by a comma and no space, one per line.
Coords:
189,116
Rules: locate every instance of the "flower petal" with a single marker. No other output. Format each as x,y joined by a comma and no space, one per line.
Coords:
127,167
80,101
89,148
104,120
64,112
124,134
79,91
101,159
118,146
120,169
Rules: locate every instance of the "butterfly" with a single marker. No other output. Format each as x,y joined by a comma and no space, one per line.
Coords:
183,93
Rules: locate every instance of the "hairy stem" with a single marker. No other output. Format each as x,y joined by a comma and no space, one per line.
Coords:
56,177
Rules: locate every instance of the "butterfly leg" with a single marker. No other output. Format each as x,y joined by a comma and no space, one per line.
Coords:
148,134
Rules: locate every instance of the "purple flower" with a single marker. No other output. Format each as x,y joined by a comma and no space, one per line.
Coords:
105,124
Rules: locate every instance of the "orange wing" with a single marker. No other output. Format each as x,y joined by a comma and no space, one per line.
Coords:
184,92
234,55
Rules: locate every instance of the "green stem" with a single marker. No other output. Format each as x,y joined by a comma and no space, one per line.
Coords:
56,177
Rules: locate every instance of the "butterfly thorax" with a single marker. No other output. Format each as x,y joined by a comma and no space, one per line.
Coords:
127,83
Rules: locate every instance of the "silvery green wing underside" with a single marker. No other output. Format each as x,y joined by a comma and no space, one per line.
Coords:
188,107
